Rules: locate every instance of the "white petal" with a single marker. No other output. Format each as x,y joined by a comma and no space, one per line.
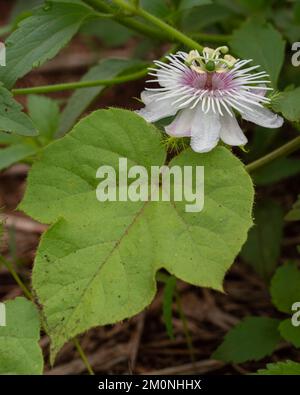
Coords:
154,111
181,125
205,130
231,133
263,117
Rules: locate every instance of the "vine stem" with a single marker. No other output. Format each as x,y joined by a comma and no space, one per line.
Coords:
29,295
81,84
83,356
16,277
163,26
284,150
186,330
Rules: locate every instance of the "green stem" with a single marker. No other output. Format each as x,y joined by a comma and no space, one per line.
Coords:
81,84
163,26
16,277
183,319
284,150
83,356
214,38
127,21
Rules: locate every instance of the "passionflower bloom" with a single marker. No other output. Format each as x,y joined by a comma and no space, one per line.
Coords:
205,91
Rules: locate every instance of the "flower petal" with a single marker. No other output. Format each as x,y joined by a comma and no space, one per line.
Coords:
231,133
153,110
205,130
181,125
263,117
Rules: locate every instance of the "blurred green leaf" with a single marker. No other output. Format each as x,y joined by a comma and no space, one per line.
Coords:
44,113
15,153
285,287
252,41
288,103
289,332
294,214
82,98
262,249
12,119
197,18
281,368
276,171
252,339
187,4
158,8
110,32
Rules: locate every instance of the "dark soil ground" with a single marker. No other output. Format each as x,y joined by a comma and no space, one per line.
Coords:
138,345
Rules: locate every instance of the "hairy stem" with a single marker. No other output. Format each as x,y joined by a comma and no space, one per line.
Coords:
284,150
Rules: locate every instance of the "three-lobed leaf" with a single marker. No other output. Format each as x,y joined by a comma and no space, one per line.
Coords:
97,263
20,352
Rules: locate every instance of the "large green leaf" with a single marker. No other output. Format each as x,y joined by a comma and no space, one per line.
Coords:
288,103
281,368
40,37
285,287
97,263
82,98
252,339
252,41
262,249
12,119
20,352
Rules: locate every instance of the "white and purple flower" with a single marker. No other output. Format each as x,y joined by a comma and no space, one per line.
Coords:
204,91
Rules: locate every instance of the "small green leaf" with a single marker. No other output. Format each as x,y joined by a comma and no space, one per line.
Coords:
281,368
20,352
288,103
276,171
187,4
290,332
12,119
285,287
15,153
294,214
252,339
44,113
97,263
262,249
252,41
40,37
169,290
82,98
